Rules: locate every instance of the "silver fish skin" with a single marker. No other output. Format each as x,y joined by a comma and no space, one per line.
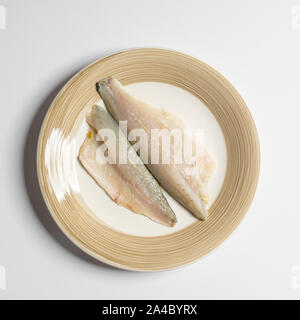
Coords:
190,190
130,185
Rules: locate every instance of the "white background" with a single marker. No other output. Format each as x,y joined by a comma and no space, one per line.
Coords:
254,44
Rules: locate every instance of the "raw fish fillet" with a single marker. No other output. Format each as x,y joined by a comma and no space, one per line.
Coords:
129,185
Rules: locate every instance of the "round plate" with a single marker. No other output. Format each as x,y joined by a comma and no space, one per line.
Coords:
97,233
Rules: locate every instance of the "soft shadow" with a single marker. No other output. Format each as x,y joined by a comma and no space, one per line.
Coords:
32,184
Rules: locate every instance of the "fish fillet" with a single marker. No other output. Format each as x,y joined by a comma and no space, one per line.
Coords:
191,190
129,185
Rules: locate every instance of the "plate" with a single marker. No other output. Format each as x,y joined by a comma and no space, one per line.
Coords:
113,234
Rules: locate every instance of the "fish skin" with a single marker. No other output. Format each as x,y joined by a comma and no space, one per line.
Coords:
190,191
129,185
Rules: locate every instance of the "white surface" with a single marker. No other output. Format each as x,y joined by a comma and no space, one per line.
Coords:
254,44
169,98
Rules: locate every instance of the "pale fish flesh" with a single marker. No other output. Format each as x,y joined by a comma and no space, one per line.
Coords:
129,185
191,190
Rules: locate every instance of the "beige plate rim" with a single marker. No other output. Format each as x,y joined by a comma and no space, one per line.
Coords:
153,64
